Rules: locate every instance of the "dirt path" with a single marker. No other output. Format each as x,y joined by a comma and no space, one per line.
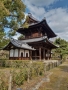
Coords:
58,80
46,79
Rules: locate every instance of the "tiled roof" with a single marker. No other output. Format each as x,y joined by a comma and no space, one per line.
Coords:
55,46
19,44
24,43
43,24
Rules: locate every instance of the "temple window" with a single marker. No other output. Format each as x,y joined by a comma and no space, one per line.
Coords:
11,53
16,53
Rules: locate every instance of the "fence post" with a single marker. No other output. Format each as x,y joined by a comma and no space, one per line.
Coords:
10,82
18,89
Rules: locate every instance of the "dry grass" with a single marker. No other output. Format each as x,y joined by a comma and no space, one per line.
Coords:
32,83
58,80
26,86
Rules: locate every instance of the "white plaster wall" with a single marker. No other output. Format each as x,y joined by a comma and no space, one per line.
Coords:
26,51
11,52
16,53
21,51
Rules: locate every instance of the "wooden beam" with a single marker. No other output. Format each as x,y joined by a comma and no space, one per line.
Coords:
44,54
13,53
40,53
18,53
35,54
30,55
50,53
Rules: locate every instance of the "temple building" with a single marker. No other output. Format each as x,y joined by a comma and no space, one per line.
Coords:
35,45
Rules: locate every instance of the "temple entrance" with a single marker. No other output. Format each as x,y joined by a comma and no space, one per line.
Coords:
40,54
35,55
43,54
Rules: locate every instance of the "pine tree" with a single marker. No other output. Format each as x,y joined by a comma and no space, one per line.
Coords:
11,16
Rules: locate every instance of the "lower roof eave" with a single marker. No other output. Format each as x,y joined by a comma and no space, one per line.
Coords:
53,45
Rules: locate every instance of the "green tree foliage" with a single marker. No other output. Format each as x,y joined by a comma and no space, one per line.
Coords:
11,16
11,13
26,24
3,42
63,46
21,37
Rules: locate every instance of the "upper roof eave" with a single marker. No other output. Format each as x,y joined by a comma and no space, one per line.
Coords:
43,24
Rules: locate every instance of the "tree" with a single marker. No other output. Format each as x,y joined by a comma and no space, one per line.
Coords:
63,47
11,16
21,37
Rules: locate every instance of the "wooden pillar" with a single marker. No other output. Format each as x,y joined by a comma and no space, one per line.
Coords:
35,54
14,54
50,53
18,53
40,53
30,55
24,54
9,54
44,54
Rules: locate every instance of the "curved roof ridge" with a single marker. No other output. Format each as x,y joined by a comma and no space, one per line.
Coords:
30,15
52,43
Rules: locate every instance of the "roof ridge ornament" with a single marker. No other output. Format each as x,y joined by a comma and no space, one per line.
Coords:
29,14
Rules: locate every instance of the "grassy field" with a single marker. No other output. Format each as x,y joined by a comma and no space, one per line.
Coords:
5,72
58,80
24,74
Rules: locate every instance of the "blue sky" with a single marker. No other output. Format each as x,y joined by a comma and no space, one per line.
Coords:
55,11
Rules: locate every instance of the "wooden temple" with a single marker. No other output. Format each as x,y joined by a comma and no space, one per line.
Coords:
35,45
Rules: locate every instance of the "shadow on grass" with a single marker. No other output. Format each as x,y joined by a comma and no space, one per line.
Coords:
64,68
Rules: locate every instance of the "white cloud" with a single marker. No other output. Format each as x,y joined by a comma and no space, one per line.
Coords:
37,11
36,7
40,2
57,18
63,35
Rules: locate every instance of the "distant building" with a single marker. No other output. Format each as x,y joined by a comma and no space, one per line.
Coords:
36,44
